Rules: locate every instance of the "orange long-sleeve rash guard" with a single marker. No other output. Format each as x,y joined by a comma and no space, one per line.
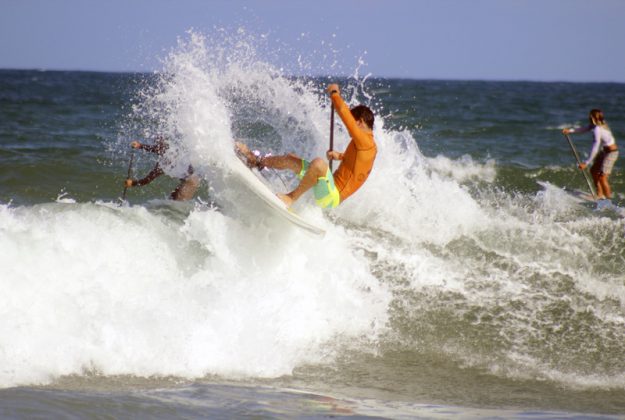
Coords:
359,156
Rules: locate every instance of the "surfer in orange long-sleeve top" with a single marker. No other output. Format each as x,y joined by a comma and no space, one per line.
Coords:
356,161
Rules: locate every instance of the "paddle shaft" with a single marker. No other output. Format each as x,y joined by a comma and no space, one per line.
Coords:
579,162
132,158
331,131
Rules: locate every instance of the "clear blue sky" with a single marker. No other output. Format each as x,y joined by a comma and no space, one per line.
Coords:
569,40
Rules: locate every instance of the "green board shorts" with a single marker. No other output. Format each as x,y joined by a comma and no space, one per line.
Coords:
326,194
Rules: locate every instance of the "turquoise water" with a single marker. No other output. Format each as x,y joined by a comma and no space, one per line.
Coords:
452,284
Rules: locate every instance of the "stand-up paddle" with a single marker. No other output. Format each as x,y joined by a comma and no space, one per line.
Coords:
331,131
132,158
579,162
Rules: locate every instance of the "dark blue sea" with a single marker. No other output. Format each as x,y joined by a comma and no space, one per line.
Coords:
466,279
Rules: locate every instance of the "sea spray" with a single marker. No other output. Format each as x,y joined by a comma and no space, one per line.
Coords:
442,260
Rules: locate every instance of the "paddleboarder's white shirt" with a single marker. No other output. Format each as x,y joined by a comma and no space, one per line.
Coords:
603,137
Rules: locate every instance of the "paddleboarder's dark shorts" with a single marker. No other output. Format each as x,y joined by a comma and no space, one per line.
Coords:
605,161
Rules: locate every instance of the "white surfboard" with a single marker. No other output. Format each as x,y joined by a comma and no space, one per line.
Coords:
252,181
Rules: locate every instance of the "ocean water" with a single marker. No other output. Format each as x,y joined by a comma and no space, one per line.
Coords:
463,280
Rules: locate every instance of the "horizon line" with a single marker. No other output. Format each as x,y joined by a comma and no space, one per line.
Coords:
503,80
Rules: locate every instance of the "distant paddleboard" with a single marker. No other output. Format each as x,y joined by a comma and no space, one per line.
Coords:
585,197
256,184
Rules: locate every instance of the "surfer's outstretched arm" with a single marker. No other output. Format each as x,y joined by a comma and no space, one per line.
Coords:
151,176
159,147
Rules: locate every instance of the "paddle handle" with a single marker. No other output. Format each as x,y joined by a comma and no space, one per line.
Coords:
331,131
132,158
579,162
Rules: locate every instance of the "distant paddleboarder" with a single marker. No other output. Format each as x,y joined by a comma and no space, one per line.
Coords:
603,154
188,184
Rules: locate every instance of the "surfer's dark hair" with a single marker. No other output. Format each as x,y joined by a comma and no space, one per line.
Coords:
362,112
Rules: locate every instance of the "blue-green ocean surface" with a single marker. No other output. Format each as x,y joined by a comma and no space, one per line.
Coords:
463,280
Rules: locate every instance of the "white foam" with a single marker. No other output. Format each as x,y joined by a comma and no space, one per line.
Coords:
464,169
123,291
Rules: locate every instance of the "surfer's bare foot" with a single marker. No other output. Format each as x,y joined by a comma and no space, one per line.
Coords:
286,199
250,158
